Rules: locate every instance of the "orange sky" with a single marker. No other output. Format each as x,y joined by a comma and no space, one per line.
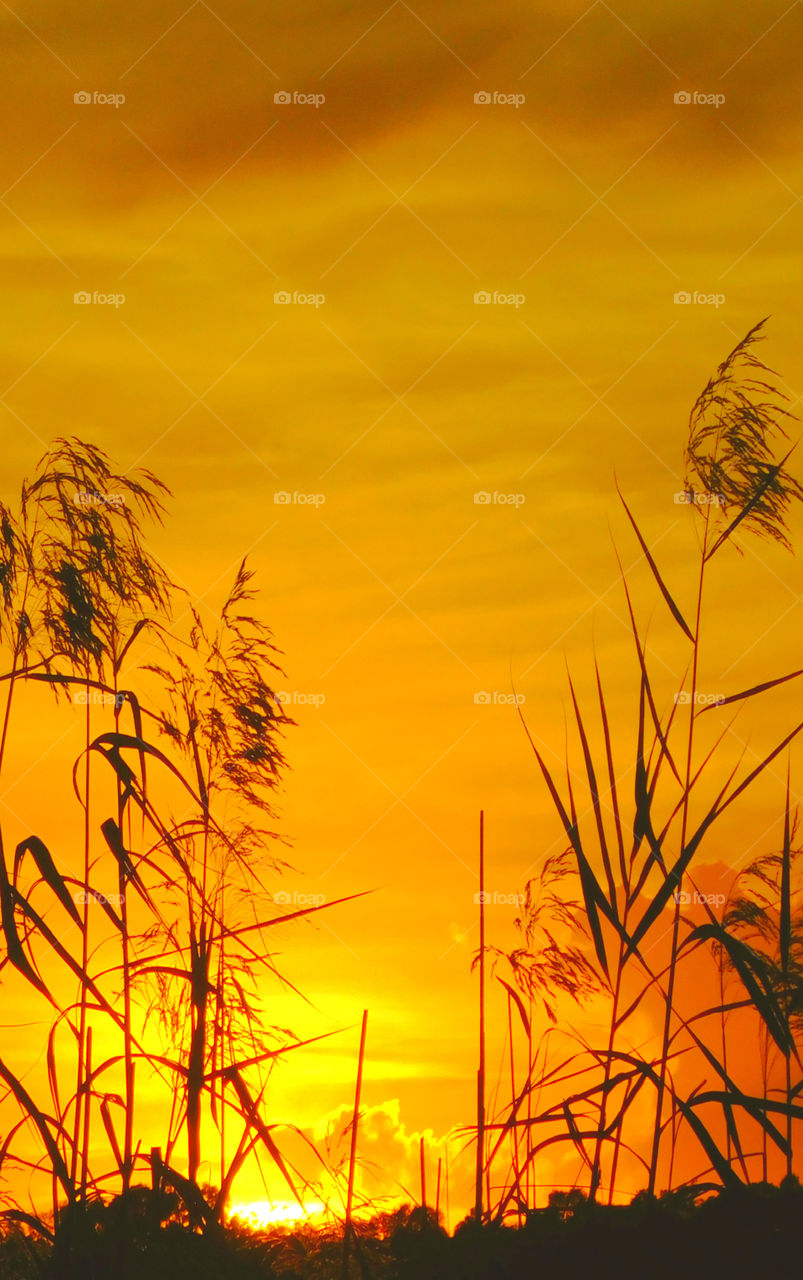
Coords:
397,398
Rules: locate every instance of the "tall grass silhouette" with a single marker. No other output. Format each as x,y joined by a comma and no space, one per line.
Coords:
593,918
182,752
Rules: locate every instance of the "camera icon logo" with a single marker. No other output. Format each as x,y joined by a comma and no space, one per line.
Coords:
482,499
682,96
283,498
282,898
482,97
482,899
482,298
683,298
282,298
82,298
482,698
282,97
82,98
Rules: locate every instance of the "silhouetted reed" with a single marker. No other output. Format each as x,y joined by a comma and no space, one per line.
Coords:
633,859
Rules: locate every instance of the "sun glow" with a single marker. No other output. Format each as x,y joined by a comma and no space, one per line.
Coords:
260,1214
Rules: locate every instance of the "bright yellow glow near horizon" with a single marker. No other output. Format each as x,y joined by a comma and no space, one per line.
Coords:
259,1214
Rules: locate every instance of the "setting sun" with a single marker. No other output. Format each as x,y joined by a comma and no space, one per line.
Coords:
261,1214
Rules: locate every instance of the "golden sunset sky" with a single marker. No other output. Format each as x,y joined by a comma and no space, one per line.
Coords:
582,198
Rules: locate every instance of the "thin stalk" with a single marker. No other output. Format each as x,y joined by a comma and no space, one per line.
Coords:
596,1170
764,1040
673,960
222,1039
87,1114
481,1071
125,943
785,937
674,1145
514,1132
528,1186
724,1045
612,1040
353,1153
80,1099
789,1101
199,985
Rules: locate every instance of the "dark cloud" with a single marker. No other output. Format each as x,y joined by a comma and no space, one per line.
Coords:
199,84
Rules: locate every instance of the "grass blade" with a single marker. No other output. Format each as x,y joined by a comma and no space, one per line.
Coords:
749,693
674,610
